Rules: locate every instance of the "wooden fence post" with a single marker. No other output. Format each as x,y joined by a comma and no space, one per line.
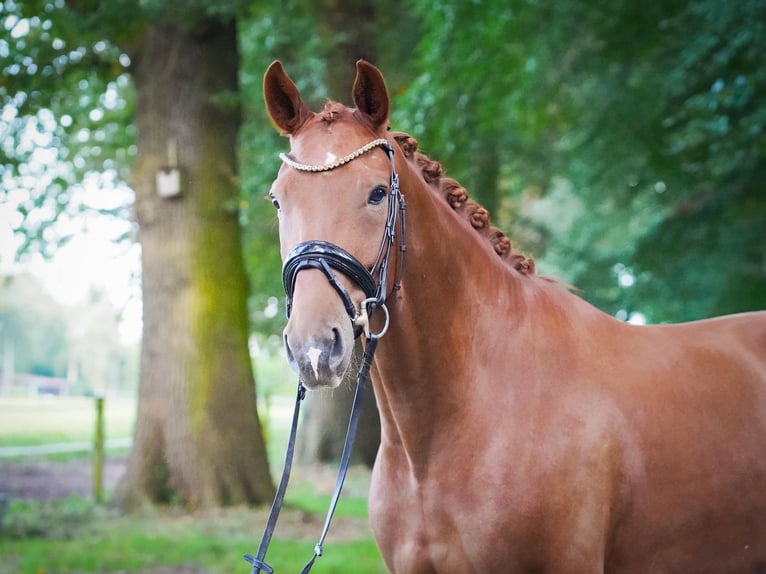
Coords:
98,452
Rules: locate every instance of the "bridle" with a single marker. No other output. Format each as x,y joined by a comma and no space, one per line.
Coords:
373,281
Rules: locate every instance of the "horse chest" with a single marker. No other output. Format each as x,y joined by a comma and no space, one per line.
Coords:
416,532
441,526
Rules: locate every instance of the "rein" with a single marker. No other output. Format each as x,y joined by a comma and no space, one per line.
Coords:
328,257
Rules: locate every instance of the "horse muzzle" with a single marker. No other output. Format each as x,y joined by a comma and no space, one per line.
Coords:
319,362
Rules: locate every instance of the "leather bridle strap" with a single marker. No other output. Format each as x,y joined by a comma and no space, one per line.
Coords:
356,410
324,256
257,560
363,376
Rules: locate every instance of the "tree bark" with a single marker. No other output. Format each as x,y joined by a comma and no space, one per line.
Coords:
325,421
198,439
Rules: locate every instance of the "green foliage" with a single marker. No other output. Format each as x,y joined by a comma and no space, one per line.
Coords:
57,519
35,325
646,121
672,134
477,104
66,109
711,243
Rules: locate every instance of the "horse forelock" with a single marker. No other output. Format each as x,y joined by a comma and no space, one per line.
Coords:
333,111
457,197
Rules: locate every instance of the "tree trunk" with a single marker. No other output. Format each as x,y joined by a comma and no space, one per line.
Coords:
325,421
198,438
350,27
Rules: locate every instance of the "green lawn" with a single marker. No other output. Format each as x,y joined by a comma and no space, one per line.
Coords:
43,420
47,420
77,536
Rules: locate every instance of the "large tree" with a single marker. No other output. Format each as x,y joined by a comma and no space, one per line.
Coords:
198,438
199,432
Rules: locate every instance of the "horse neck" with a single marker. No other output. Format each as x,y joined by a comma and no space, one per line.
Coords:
456,293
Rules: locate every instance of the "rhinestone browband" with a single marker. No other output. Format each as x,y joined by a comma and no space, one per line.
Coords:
333,164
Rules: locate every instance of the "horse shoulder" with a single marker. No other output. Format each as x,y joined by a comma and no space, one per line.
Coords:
580,477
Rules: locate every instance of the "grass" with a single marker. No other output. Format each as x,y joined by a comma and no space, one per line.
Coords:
43,420
76,536
128,553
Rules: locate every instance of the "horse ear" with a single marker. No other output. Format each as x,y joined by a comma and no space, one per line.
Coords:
283,101
370,94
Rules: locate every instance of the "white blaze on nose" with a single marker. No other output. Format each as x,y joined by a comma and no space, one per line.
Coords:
313,354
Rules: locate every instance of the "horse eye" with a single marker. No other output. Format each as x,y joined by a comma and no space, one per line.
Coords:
377,195
274,201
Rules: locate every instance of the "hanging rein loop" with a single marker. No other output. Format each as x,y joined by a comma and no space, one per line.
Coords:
373,282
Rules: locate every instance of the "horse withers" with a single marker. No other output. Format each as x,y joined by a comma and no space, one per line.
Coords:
522,429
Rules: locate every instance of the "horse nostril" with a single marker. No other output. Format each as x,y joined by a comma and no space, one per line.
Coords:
288,352
337,352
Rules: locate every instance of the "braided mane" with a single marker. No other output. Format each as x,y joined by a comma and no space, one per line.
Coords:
455,194
457,197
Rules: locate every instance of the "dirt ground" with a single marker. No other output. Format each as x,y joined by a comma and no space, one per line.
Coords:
53,480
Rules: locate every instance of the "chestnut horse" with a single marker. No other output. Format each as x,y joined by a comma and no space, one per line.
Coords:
522,429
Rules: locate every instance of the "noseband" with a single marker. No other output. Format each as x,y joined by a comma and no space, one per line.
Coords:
326,257
373,281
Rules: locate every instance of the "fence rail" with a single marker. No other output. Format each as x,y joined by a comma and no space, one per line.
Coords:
59,447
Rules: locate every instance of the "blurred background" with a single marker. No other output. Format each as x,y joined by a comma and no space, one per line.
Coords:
621,144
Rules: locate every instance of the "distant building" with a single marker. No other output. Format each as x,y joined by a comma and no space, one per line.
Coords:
39,385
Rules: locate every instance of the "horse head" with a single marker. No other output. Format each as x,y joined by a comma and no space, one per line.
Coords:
337,199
